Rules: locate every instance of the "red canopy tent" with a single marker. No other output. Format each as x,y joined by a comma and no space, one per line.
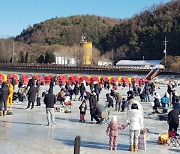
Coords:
104,79
84,78
25,78
94,79
135,80
125,80
114,80
73,79
62,79
47,79
14,76
144,80
39,77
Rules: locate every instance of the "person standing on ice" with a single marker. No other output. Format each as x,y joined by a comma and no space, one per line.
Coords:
136,125
49,101
112,132
32,92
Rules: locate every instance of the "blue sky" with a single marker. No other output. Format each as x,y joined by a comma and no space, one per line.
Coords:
16,15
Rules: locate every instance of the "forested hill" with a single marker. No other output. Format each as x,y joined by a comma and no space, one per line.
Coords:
143,35
139,37
68,30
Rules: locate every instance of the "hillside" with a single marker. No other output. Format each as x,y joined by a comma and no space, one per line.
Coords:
142,36
68,31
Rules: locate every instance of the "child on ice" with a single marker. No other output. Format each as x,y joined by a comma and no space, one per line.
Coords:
82,108
112,132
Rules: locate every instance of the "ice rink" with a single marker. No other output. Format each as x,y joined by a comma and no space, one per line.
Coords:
26,131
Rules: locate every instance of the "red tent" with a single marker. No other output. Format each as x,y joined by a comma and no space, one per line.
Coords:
39,77
25,78
135,80
84,78
62,78
114,80
14,76
144,80
104,79
73,79
125,80
47,79
94,79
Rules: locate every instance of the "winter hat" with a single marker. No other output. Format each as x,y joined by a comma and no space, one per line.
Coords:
114,118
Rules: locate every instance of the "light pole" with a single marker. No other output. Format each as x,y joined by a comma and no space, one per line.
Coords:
165,50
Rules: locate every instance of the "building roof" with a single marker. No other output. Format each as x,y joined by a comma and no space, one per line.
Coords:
138,62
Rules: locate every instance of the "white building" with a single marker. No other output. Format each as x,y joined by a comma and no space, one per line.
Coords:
104,63
144,64
65,59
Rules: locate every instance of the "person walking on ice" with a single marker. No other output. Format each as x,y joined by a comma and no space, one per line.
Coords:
112,132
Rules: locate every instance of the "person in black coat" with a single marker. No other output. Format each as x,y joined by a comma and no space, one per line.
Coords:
97,90
52,83
109,100
20,84
173,120
92,103
76,90
96,113
30,82
13,82
4,92
49,101
31,96
82,90
91,85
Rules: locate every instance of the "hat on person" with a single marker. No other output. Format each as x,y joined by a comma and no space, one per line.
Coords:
114,118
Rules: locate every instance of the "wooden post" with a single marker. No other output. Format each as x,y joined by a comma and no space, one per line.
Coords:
77,145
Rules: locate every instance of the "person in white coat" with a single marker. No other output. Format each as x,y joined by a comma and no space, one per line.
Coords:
135,116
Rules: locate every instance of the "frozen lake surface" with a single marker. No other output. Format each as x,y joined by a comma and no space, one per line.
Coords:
25,132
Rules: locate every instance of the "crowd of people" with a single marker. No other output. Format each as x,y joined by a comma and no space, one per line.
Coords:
89,98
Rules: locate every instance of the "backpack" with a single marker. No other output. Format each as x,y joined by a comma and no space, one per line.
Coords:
163,138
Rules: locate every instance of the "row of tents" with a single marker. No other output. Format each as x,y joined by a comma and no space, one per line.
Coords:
45,79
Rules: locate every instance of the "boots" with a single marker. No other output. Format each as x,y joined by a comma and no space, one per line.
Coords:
131,148
135,148
5,113
1,113
115,147
110,147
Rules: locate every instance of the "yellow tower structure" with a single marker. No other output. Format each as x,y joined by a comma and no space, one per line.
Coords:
87,49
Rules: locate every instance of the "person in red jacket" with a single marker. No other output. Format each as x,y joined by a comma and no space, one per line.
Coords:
112,132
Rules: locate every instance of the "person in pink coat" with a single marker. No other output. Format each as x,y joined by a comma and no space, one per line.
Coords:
112,132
